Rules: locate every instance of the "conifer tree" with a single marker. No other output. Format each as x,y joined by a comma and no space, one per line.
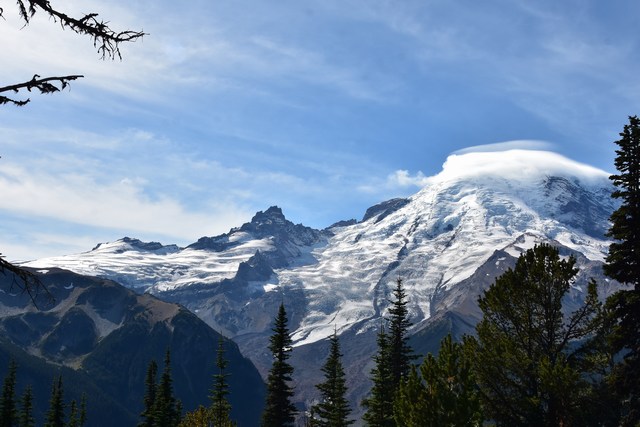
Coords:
149,395
528,355
623,265
83,410
379,404
444,393
25,417
74,416
165,411
220,406
55,415
7,401
333,409
279,411
400,353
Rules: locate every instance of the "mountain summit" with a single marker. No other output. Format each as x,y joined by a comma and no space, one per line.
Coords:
447,242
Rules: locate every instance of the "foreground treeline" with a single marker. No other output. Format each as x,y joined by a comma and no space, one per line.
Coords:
18,411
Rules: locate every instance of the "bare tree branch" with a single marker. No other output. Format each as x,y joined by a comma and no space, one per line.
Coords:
106,40
36,82
25,281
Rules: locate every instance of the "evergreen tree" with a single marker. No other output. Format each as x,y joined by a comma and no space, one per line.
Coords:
400,353
333,409
74,415
528,357
55,414
8,412
379,404
25,418
444,394
165,410
220,406
279,411
149,395
83,410
623,265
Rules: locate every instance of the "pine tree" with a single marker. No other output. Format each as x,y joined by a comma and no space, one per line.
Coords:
74,416
279,411
379,404
444,394
165,411
220,406
55,414
83,410
623,265
400,353
528,355
8,412
25,418
333,409
149,395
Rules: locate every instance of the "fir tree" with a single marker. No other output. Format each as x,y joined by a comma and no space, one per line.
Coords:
25,418
528,357
220,407
443,394
7,401
279,411
333,409
165,411
379,404
623,265
74,416
55,414
83,410
400,353
149,395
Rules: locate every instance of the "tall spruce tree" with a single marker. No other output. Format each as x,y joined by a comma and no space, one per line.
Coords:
74,415
8,412
379,404
279,411
333,409
528,355
55,415
25,417
400,353
443,393
220,406
623,265
166,411
151,386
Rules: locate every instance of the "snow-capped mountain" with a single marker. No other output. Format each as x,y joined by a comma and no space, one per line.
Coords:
447,242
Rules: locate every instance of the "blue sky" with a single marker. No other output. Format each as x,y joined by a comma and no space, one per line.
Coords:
323,108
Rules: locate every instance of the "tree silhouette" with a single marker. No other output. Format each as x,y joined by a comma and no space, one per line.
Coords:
279,411
105,40
623,265
333,409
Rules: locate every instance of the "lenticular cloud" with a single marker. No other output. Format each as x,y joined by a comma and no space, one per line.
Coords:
516,164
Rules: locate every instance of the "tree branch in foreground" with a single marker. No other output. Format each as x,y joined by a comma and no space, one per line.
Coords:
104,38
25,281
43,85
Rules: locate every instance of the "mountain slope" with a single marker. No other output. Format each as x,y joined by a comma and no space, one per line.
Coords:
101,337
447,242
